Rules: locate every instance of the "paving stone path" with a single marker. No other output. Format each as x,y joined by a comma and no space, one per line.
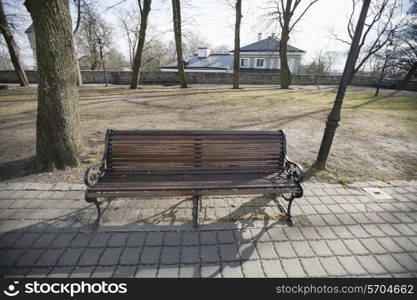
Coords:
339,231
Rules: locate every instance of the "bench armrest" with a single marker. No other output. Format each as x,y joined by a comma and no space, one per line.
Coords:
293,170
93,173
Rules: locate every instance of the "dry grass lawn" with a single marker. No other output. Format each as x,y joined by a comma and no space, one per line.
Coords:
376,139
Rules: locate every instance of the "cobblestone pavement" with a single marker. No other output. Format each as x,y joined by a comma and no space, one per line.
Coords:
339,231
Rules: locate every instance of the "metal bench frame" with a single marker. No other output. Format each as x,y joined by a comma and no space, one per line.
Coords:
290,170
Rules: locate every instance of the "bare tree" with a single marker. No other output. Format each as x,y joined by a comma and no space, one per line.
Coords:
86,40
221,49
102,37
386,58
171,51
58,142
144,12
288,13
192,42
78,4
130,24
95,43
154,50
154,53
381,23
5,62
13,49
411,58
236,52
334,116
322,62
407,54
176,16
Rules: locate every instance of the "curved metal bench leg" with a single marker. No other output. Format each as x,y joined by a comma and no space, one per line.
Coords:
196,200
289,217
286,211
97,204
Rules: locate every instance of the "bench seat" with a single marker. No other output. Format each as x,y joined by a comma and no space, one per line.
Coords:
126,185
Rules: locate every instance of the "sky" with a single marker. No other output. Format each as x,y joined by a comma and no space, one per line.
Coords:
213,21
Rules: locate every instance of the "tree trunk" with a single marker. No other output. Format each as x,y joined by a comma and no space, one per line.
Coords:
236,62
334,116
285,32
77,64
176,14
79,75
403,84
284,69
378,85
141,42
12,46
103,65
58,142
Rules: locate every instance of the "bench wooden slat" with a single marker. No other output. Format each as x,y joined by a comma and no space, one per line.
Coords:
188,177
193,137
192,160
186,187
173,171
193,132
197,155
185,181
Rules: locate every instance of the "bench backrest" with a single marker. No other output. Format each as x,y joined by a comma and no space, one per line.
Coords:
189,152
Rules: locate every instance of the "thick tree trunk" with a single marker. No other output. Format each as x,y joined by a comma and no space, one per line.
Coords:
334,116
176,15
236,62
58,142
13,50
141,42
403,84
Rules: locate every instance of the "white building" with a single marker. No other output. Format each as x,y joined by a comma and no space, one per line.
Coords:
259,57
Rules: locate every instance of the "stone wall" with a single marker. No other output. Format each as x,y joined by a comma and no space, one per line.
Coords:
171,78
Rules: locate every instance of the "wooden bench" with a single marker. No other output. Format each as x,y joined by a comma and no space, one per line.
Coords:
157,163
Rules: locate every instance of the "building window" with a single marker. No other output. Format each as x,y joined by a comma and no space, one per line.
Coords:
260,63
244,62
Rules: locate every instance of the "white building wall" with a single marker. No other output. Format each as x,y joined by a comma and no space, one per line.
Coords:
272,60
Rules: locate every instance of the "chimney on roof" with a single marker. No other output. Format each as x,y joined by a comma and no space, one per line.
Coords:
203,52
259,36
273,35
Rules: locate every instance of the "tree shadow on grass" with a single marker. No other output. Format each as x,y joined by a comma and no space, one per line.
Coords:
17,168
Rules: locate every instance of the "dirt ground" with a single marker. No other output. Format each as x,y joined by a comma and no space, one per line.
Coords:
376,138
